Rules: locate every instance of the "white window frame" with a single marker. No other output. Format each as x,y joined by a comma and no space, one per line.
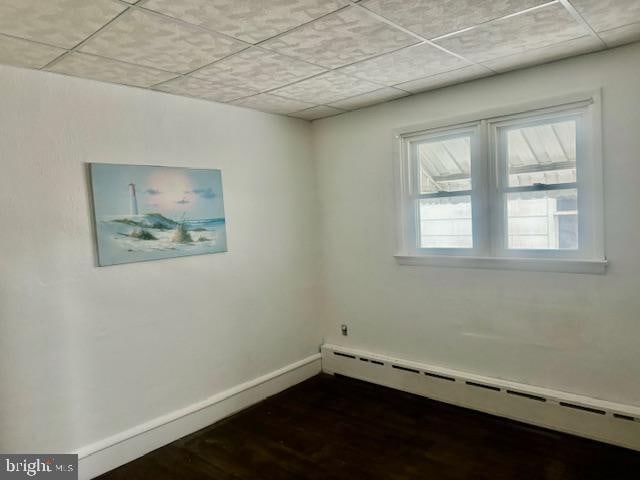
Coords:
488,173
414,195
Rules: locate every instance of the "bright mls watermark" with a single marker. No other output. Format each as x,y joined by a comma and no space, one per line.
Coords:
52,466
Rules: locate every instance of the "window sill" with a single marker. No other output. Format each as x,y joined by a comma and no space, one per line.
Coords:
504,263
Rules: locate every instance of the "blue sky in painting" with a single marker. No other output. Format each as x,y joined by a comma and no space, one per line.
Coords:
176,193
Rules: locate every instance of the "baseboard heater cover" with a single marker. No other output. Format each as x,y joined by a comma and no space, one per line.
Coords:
609,422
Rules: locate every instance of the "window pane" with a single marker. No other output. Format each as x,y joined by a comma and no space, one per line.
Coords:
543,220
446,222
445,165
544,154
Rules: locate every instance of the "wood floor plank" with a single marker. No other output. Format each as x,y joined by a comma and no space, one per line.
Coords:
334,428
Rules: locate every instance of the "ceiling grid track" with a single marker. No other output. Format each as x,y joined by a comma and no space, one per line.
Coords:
374,32
83,42
575,14
422,39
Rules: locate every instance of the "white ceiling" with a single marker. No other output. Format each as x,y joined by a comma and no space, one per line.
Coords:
304,58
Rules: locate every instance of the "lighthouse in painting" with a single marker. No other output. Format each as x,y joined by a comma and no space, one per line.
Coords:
133,201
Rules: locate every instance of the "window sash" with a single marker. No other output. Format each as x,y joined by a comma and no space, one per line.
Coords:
498,129
541,187
414,171
457,193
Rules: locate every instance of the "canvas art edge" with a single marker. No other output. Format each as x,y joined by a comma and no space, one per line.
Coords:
102,259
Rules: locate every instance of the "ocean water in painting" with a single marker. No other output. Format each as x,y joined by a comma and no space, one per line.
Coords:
147,213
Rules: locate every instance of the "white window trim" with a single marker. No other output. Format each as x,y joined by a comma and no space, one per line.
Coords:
589,259
472,129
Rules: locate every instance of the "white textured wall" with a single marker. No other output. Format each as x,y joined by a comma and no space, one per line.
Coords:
87,352
576,333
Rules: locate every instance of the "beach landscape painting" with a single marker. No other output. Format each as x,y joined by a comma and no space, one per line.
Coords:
146,213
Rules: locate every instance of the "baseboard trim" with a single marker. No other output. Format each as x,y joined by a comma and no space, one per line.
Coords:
609,422
114,451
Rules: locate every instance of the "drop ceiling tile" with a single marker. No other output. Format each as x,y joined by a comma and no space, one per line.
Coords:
621,35
344,37
250,20
403,65
608,14
258,69
63,23
194,87
551,53
271,103
528,31
154,41
326,88
23,53
445,79
107,70
432,18
378,96
315,113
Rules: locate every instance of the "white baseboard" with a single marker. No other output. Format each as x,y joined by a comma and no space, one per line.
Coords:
601,420
123,447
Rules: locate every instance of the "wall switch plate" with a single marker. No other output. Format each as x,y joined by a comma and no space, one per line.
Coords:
344,330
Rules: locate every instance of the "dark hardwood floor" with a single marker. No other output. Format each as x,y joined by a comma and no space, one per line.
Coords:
334,428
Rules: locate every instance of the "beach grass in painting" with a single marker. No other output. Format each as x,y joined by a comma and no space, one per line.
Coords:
148,213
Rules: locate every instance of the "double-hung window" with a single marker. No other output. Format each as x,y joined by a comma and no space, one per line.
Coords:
443,188
514,190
